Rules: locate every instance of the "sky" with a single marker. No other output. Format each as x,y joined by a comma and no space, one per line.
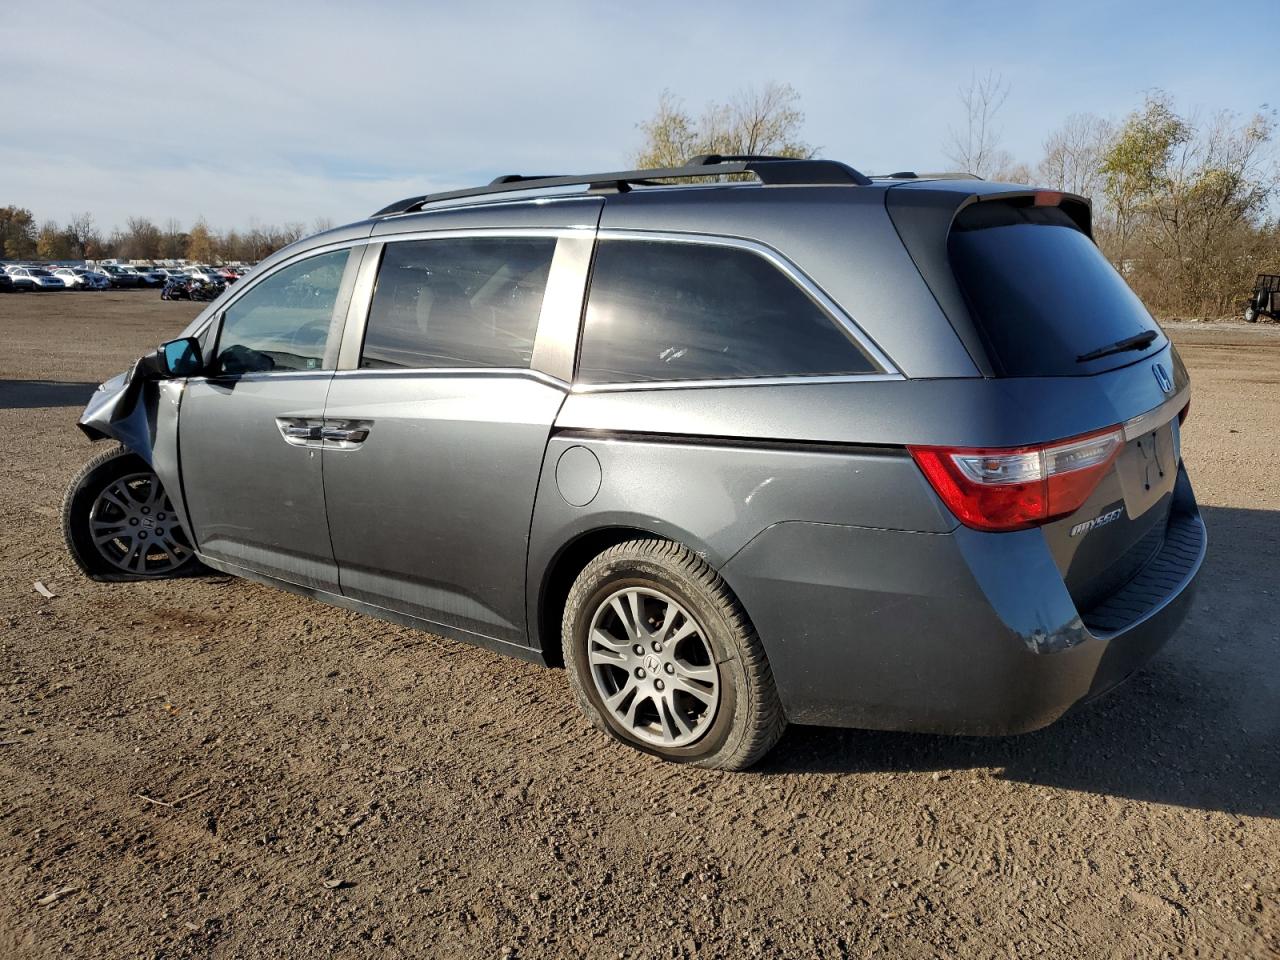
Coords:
279,111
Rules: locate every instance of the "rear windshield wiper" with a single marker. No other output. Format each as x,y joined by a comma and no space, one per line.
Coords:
1139,341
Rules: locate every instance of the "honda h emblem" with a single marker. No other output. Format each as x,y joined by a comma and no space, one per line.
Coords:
1162,377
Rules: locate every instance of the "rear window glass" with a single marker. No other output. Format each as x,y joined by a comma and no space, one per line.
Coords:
662,310
1041,292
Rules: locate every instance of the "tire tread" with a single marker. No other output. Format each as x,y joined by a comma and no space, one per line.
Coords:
766,720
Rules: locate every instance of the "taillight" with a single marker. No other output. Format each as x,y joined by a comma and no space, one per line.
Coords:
1012,488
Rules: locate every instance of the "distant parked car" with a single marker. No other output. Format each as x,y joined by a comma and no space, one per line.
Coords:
70,279
119,276
205,273
93,280
35,278
149,276
6,282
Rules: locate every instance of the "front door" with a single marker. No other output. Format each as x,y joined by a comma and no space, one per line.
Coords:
250,431
430,503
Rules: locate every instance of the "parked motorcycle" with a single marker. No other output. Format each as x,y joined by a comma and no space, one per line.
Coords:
190,288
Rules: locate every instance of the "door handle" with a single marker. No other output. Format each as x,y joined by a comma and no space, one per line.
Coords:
345,434
298,432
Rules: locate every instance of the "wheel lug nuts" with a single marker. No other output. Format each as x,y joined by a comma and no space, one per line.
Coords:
639,673
133,521
142,535
658,684
669,668
657,647
639,650
159,532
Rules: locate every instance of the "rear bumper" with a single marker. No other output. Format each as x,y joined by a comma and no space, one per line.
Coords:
963,633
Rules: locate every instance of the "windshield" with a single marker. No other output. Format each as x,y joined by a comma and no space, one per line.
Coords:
1044,297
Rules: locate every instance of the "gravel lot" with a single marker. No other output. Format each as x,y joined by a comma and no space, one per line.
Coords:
323,784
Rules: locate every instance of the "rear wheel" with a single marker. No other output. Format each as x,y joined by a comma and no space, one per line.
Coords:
119,524
1250,314
662,657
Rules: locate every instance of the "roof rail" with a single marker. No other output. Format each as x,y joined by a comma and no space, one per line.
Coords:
912,175
768,170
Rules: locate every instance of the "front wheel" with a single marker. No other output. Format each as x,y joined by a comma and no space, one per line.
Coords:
119,524
662,657
1250,314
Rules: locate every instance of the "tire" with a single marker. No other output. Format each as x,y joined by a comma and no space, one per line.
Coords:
117,490
1250,314
720,656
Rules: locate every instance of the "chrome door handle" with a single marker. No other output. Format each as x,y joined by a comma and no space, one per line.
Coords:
345,434
298,432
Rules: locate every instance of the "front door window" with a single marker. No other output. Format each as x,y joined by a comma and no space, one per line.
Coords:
283,323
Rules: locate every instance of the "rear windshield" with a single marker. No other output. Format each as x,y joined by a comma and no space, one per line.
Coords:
1043,295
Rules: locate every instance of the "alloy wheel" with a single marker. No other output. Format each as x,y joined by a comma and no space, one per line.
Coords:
653,667
134,528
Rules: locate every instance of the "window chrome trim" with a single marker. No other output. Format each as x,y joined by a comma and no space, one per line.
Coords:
791,381
888,370
463,233
524,373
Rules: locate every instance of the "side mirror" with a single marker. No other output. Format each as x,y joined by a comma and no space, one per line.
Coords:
181,358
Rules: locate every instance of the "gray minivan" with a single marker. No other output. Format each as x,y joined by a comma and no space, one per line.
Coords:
897,453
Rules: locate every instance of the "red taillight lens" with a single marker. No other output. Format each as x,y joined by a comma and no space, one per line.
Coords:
1011,488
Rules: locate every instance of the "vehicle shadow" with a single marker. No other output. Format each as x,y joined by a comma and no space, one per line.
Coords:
30,394
1198,727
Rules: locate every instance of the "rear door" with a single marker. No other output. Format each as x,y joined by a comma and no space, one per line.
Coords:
249,431
437,424
1047,304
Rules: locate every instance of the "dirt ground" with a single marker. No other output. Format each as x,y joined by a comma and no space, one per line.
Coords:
323,784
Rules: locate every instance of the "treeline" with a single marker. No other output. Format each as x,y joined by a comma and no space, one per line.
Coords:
141,239
1183,205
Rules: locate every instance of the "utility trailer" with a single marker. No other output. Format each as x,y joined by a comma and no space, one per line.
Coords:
1265,299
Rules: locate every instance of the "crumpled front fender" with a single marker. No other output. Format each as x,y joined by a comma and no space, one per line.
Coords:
142,414
118,410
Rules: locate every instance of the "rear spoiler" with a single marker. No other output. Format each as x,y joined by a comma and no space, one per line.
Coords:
923,211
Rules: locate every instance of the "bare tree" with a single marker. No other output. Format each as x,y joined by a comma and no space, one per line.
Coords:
321,224
143,240
173,243
82,233
765,120
974,147
1073,154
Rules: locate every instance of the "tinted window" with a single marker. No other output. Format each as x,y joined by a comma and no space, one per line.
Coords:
283,322
688,311
1042,293
469,302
